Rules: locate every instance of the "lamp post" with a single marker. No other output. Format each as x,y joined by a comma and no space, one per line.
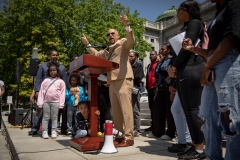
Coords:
35,52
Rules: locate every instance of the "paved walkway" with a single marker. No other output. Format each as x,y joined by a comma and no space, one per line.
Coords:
4,151
25,147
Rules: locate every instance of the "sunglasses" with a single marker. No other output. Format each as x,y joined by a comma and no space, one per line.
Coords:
110,34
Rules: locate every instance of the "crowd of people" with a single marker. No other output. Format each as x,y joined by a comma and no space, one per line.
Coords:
193,94
204,82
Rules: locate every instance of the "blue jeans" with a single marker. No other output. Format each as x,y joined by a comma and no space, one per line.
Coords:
71,111
230,98
209,109
180,121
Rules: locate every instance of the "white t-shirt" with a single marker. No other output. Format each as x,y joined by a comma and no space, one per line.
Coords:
1,84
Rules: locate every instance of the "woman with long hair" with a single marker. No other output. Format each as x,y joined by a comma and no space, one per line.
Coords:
187,68
162,104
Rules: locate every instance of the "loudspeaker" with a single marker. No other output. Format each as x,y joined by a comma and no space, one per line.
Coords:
17,116
33,68
18,72
108,146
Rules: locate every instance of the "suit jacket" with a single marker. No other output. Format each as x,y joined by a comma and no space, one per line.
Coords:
118,52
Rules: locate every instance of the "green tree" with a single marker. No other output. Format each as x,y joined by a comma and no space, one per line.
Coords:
59,25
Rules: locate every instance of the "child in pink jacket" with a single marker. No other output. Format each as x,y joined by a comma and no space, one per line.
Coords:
51,97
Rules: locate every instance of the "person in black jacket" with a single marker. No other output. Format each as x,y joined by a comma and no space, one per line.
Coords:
138,76
188,68
162,104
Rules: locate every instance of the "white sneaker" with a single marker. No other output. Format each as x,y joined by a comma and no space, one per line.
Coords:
150,135
165,137
174,139
54,134
69,133
45,135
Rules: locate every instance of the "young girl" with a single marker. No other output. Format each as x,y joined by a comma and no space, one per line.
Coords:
51,97
74,95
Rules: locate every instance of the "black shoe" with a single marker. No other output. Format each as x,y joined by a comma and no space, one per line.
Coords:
32,133
180,155
192,154
148,129
176,148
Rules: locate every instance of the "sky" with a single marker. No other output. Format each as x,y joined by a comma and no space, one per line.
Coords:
151,9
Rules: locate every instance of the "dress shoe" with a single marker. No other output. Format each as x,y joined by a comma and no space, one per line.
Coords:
148,129
126,143
119,140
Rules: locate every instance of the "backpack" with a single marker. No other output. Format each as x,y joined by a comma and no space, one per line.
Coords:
205,37
204,44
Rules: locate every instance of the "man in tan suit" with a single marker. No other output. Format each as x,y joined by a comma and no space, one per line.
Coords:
120,80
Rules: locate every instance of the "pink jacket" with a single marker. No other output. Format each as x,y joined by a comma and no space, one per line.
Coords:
55,93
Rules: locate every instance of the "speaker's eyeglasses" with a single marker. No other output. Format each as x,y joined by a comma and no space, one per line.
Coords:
110,34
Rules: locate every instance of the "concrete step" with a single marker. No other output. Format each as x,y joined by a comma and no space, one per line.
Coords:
145,116
144,106
144,111
145,122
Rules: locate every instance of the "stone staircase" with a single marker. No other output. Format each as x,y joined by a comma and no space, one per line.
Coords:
145,114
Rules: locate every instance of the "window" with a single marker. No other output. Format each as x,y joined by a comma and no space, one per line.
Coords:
152,40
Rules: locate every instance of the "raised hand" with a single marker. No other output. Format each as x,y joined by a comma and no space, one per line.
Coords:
187,44
124,19
84,40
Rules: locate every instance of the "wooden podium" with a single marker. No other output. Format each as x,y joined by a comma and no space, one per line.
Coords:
92,66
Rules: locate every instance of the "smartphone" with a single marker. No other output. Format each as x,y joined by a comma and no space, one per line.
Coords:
211,76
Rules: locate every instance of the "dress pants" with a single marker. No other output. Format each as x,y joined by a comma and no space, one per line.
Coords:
136,111
120,92
150,100
162,112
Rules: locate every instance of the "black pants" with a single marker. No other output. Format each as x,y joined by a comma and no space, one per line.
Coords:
60,113
162,112
150,100
103,105
190,92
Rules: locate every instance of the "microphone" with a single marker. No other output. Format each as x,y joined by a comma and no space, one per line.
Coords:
103,46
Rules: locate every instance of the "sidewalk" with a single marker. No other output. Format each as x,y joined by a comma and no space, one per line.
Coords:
26,147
